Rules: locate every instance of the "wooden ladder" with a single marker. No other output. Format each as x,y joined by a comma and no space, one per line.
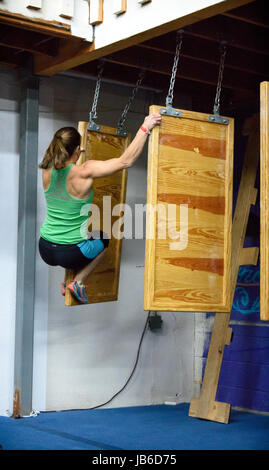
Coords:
206,407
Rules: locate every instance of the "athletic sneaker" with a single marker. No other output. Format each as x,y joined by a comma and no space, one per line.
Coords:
63,286
78,290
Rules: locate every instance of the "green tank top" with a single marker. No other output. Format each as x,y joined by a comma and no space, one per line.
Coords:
67,216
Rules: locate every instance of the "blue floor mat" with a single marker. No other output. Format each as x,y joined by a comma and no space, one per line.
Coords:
156,427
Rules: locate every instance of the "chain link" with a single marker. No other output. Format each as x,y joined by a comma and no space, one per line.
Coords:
223,51
130,101
170,95
93,114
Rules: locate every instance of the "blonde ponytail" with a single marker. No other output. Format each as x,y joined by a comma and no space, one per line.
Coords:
61,148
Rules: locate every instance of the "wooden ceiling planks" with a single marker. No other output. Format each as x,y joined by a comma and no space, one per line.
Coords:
252,13
33,42
189,68
246,65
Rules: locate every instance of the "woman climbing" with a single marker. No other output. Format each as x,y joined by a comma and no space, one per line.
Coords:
67,188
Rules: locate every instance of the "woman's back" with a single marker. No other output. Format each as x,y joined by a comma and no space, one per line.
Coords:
66,218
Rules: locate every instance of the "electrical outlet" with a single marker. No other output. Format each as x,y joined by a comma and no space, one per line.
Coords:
155,321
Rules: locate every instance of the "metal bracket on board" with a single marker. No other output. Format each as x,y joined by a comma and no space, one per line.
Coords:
169,111
217,118
93,127
121,133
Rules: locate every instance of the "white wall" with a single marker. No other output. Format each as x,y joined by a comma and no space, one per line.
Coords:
83,355
9,161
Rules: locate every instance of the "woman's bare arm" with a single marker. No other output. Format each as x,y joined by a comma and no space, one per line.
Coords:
98,168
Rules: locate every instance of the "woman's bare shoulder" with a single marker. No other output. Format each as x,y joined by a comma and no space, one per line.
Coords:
46,178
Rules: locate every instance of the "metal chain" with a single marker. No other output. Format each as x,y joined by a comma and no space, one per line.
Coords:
130,101
170,96
92,114
223,51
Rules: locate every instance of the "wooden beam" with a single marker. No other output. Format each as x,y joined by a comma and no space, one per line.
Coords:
30,41
245,193
187,69
253,196
249,255
70,52
96,12
8,64
206,407
121,74
54,28
34,4
202,94
119,7
208,52
69,59
10,59
254,13
236,33
264,202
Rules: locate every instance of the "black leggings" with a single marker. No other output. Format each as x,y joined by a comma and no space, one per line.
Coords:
66,256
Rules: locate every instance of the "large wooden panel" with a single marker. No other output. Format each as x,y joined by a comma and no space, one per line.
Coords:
102,284
264,201
190,165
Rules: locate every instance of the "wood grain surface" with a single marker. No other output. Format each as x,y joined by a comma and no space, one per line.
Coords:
102,284
190,162
206,406
264,201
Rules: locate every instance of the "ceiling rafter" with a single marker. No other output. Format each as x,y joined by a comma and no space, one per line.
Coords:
188,68
33,42
254,13
237,33
208,52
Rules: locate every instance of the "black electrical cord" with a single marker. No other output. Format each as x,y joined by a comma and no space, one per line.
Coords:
132,373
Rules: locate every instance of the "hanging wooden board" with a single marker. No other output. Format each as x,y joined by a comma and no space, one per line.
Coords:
264,201
190,165
103,282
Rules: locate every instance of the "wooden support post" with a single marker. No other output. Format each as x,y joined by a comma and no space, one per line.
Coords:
206,407
264,201
249,256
